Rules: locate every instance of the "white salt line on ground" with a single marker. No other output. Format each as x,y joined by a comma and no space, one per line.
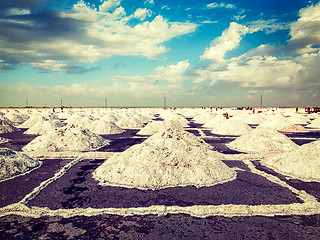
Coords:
44,184
304,196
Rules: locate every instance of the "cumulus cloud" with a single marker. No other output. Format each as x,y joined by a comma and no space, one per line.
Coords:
229,40
83,34
305,32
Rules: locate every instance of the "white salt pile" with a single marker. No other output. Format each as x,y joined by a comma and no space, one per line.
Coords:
43,127
80,120
314,123
130,123
250,118
14,163
213,121
277,121
16,118
170,116
103,127
6,126
294,129
166,159
302,163
231,127
297,118
68,138
263,140
160,126
32,121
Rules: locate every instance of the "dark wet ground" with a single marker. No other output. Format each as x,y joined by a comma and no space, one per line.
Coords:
179,226
17,139
78,189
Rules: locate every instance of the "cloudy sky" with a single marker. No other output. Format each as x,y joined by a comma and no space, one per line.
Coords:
136,52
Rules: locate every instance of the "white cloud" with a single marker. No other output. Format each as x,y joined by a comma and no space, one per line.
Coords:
270,26
228,41
96,33
168,75
221,5
108,5
18,11
142,13
305,32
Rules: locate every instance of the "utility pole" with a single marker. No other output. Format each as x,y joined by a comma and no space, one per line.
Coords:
61,103
106,103
165,102
261,102
26,102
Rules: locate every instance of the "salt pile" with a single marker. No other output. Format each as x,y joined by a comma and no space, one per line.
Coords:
302,163
213,121
44,127
250,118
14,163
170,116
79,120
160,126
294,129
263,140
16,118
315,123
68,138
231,127
166,159
103,127
32,121
298,119
130,123
276,121
6,126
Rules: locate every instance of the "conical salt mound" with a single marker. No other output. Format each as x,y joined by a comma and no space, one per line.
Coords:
276,122
314,123
67,139
231,127
131,123
14,163
159,126
167,159
263,140
103,127
302,163
294,129
43,127
32,121
6,127
16,118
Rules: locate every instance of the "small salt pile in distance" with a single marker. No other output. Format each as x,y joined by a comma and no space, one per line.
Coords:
69,138
160,126
263,140
43,127
166,159
16,118
32,121
14,163
6,126
296,118
277,122
79,120
170,116
314,123
103,127
231,127
302,163
130,123
294,129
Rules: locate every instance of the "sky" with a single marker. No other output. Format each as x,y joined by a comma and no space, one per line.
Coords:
138,52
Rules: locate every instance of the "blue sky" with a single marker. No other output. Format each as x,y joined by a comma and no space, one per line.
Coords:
135,53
